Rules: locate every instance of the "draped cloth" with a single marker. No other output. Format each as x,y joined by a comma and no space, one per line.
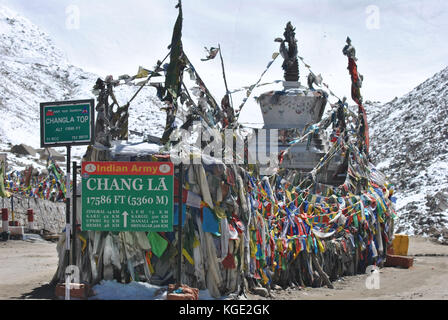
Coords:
356,96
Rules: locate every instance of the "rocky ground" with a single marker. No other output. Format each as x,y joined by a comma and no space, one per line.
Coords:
28,267
427,280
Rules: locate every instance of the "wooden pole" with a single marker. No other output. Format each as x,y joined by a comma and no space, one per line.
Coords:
321,272
224,76
147,80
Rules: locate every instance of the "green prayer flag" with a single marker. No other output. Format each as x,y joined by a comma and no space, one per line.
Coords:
3,192
284,262
173,72
355,220
158,243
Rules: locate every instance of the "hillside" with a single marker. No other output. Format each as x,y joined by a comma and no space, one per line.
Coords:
410,144
34,70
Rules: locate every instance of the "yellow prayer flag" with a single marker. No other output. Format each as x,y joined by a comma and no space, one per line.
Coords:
142,73
187,256
264,277
320,245
196,242
288,195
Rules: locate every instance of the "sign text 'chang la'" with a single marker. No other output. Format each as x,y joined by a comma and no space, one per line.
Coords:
129,184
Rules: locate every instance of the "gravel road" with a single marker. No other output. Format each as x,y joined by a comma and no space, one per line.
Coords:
26,268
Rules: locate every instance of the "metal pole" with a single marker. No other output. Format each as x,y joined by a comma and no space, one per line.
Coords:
67,202
12,209
179,224
74,179
67,223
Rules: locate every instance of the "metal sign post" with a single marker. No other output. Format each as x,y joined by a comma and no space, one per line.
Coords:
74,211
67,204
67,123
67,222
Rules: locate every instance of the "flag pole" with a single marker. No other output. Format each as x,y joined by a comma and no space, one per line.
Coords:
224,76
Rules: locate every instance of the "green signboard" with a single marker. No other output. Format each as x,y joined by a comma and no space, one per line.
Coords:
67,123
127,196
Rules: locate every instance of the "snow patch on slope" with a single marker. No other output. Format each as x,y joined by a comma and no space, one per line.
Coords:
410,144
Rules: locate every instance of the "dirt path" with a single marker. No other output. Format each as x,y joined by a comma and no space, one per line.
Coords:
26,268
427,279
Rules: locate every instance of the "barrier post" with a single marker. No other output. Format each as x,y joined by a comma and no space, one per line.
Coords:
5,222
30,214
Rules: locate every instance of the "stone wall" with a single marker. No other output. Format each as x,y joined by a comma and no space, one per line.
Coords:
48,215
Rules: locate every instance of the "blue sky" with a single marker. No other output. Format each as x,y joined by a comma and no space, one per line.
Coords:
399,43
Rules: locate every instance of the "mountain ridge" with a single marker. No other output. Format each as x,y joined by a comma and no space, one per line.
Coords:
410,145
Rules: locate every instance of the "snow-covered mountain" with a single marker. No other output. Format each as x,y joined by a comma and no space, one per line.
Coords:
410,144
409,135
34,70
